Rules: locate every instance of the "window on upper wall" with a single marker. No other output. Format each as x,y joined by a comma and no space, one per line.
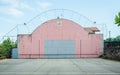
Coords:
59,23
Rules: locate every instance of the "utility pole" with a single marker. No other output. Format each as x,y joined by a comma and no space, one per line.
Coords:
109,35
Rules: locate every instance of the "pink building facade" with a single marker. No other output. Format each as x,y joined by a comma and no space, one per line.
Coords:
60,38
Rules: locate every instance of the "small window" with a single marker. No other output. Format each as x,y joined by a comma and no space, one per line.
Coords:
59,23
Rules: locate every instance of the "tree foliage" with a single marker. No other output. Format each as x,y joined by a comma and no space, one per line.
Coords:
6,47
14,44
117,19
113,39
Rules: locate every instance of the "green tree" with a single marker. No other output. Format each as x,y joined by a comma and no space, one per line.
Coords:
117,38
0,48
6,48
14,44
117,19
109,39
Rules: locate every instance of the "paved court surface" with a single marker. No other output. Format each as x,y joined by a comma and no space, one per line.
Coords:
59,67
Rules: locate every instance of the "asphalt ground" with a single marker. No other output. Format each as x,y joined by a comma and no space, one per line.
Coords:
96,66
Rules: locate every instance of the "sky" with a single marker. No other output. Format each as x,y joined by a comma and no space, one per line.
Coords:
18,12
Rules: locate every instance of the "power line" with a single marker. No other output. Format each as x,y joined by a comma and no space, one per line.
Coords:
8,33
60,11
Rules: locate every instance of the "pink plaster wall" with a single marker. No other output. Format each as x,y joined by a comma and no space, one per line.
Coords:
86,44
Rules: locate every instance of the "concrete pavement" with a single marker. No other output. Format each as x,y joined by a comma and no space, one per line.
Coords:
89,66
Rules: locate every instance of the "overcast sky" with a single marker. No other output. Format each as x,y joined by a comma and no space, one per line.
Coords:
13,12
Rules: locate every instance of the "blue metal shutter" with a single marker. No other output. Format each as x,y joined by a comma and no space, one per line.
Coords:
59,48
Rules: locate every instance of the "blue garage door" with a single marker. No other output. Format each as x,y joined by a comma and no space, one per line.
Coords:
59,48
